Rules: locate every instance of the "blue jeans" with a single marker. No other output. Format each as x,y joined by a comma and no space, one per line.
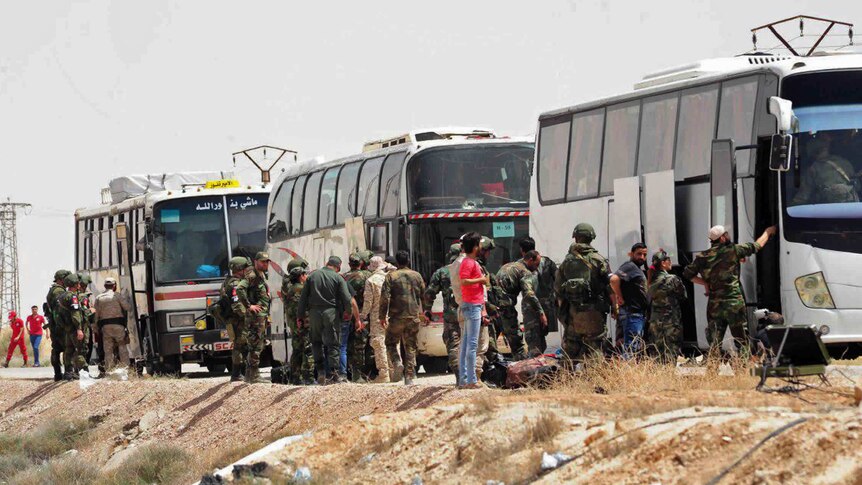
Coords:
469,342
342,356
35,340
633,331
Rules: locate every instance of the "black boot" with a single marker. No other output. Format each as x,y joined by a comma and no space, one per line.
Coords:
236,372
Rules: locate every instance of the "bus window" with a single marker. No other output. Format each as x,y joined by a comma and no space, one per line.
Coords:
105,242
736,114
141,234
658,128
345,195
245,217
112,242
327,198
553,156
696,131
470,177
586,154
390,187
311,202
190,241
277,228
296,206
368,183
618,159
80,234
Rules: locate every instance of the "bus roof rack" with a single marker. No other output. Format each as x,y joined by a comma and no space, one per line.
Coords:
445,133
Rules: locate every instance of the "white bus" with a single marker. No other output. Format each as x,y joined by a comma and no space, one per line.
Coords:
181,234
690,147
420,191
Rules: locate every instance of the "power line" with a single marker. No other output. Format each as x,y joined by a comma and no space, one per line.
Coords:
10,297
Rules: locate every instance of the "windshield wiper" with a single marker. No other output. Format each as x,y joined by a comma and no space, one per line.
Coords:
503,198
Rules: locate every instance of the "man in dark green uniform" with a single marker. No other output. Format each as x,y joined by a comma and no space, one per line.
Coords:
72,322
441,282
235,313
327,301
55,328
583,298
717,269
259,301
534,331
91,335
517,278
357,339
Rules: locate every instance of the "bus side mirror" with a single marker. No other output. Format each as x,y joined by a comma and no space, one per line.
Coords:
779,153
782,110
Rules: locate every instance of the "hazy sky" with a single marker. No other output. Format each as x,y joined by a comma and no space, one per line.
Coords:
94,90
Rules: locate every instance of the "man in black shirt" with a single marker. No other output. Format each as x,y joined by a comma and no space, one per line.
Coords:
630,290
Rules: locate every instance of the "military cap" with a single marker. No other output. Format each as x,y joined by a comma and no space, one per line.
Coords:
237,263
261,256
296,272
61,273
455,249
354,258
297,262
659,256
70,279
584,230
84,278
487,243
366,256
110,281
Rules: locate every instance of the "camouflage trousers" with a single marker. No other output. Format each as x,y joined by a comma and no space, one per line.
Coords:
534,333
403,331
301,358
58,345
724,314
452,340
378,343
74,350
237,331
255,339
582,335
665,339
512,331
356,343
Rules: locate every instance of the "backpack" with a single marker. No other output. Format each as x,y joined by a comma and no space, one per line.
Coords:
538,371
577,289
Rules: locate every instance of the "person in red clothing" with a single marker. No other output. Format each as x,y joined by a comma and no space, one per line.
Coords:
35,324
17,338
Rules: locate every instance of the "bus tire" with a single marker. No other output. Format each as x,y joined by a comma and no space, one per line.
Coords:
217,368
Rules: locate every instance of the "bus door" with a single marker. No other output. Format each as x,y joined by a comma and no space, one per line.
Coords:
126,287
379,238
722,189
624,227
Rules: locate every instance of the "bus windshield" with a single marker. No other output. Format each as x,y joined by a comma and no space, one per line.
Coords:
246,216
470,177
433,238
190,241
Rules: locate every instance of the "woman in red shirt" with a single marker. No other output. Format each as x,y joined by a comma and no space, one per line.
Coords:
17,339
473,283
35,324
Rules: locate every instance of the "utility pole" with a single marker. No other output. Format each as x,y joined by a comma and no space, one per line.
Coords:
10,297
264,165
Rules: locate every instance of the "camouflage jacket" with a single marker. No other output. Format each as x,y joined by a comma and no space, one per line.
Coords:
258,291
235,291
291,304
828,180
719,267
87,302
52,299
495,292
70,311
545,277
597,266
441,282
355,279
401,295
371,296
666,294
515,278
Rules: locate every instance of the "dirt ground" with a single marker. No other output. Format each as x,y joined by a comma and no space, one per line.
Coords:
636,432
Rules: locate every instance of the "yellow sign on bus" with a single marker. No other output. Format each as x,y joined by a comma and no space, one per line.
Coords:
222,184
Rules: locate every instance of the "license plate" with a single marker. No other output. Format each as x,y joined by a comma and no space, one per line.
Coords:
187,339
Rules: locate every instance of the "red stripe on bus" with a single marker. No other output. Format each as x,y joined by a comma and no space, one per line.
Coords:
181,295
469,215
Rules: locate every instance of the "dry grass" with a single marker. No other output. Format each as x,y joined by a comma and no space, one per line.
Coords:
67,471
484,405
46,441
545,428
612,448
382,441
157,463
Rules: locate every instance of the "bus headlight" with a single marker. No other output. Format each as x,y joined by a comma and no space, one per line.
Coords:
201,324
813,291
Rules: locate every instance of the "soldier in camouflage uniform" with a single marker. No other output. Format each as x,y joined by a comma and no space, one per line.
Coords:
487,351
301,357
441,282
259,301
55,327
357,340
717,269
91,330
666,293
582,288
830,178
401,313
72,322
235,313
534,332
517,277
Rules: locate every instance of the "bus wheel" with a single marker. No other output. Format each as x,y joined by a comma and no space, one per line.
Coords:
435,365
217,368
279,374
